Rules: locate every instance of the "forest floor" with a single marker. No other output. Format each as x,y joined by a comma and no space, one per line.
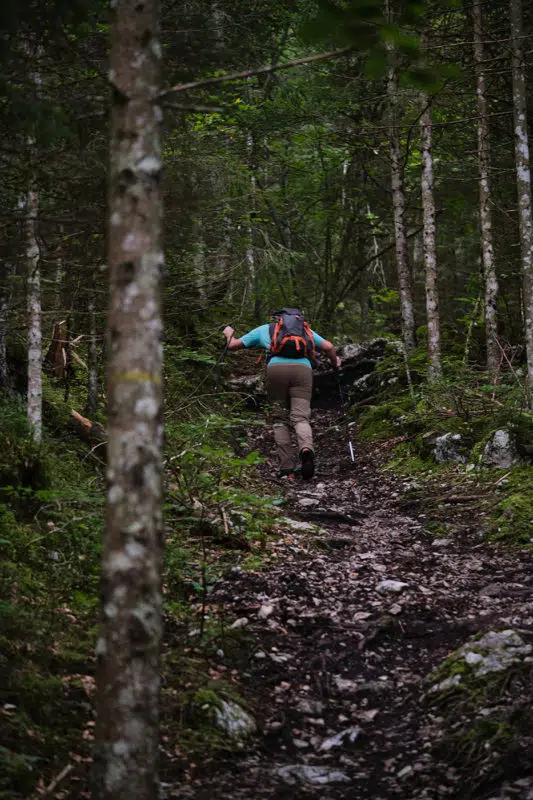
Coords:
338,677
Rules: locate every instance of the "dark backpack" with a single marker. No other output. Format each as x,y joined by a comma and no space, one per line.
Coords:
290,335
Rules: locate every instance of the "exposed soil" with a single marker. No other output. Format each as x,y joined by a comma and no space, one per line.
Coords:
334,653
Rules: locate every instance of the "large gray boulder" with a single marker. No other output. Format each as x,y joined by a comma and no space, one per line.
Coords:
237,723
448,448
500,450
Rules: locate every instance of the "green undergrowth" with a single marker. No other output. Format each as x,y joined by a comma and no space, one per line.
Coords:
50,543
195,683
51,532
408,420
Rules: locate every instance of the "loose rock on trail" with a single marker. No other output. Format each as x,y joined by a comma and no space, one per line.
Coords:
357,607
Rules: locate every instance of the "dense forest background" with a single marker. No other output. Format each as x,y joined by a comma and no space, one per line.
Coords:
366,162
278,186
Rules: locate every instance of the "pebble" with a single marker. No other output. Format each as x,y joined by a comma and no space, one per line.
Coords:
406,772
308,501
341,738
345,686
310,707
391,586
309,773
242,622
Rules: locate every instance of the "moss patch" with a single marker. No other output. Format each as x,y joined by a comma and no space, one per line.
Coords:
485,717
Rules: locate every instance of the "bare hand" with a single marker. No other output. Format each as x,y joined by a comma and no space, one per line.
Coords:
228,332
339,362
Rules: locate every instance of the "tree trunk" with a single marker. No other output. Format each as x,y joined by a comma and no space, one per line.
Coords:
129,643
58,282
33,282
430,247
92,354
523,179
251,250
485,215
399,208
5,300
35,354
376,270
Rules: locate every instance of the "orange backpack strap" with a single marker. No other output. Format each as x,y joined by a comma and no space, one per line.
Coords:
274,348
311,339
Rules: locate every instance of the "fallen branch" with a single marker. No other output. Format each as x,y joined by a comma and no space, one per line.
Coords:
57,780
92,432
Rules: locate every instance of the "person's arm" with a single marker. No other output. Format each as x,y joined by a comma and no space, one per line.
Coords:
233,344
331,353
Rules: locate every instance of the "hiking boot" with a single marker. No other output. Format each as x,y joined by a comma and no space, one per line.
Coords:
308,464
286,474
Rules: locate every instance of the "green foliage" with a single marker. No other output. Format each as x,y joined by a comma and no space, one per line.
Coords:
22,462
17,772
209,479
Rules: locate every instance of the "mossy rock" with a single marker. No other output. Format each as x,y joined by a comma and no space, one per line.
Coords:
513,521
384,421
483,698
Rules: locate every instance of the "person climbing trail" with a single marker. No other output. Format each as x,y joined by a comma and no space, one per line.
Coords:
291,346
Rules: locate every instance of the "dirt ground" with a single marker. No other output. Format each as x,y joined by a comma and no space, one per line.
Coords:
357,606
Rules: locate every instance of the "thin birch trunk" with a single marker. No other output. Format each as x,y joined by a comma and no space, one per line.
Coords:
201,269
129,643
523,179
33,285
222,258
58,282
399,208
251,250
485,215
33,299
92,355
287,227
430,246
377,268
5,301
364,300
417,259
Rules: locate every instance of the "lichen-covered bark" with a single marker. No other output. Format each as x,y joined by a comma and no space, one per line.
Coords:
399,208
485,216
33,299
523,179
430,248
129,643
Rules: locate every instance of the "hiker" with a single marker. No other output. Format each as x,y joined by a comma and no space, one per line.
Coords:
290,344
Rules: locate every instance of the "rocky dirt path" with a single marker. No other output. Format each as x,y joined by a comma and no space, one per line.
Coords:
358,606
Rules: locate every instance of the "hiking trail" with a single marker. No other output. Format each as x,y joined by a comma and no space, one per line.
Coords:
356,606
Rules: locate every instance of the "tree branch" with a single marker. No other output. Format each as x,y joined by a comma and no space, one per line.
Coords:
233,76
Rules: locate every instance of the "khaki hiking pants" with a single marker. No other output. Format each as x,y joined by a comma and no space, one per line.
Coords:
289,388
